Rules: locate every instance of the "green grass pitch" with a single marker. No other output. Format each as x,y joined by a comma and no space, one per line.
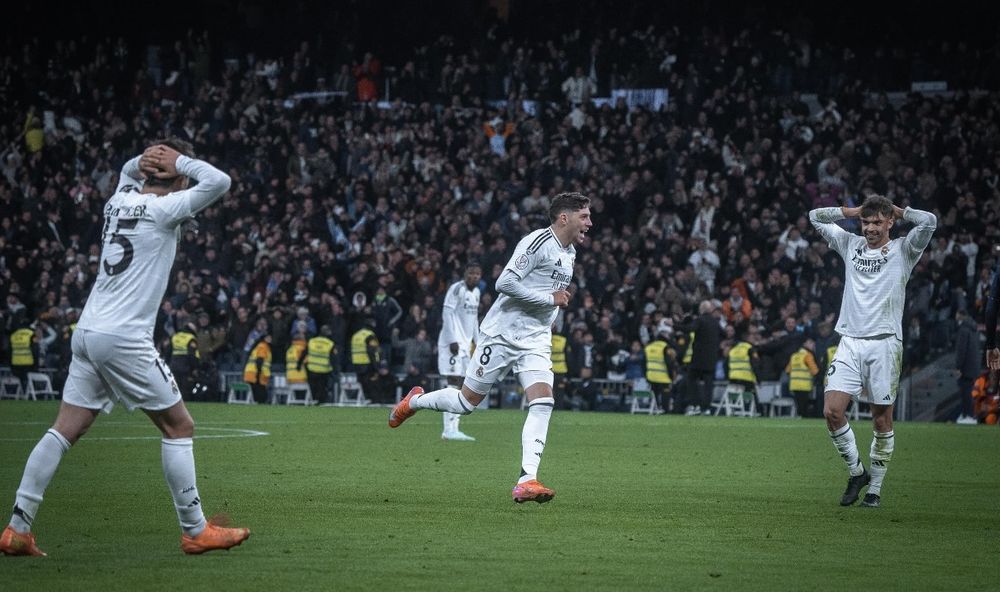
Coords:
338,501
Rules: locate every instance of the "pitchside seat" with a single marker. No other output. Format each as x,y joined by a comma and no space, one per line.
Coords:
240,393
350,392
39,385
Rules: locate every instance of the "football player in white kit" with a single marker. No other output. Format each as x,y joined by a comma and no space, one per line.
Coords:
516,335
871,327
459,322
114,360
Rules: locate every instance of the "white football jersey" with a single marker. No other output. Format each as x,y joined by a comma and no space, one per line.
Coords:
875,282
543,266
460,317
139,242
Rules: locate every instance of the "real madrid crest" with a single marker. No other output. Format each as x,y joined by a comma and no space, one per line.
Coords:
479,372
885,250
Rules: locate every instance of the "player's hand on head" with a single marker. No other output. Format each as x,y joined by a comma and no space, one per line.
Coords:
163,159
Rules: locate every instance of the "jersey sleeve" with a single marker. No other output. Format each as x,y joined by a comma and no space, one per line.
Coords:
525,258
448,315
919,236
130,175
174,208
510,284
823,220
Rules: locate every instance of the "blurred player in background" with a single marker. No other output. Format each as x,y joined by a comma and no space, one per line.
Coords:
459,323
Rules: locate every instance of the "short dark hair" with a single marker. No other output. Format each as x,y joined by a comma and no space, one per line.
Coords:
473,263
567,202
876,204
182,146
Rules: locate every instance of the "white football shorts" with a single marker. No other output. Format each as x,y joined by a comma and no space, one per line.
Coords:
871,365
107,369
452,365
495,357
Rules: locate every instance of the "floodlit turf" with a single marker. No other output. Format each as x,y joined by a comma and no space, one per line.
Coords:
338,501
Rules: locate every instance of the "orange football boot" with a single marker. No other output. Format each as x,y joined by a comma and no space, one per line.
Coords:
16,543
532,491
401,412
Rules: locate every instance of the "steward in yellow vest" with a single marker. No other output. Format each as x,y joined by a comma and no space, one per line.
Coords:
257,371
559,347
22,352
801,370
320,364
295,371
658,371
740,366
364,350
22,345
184,358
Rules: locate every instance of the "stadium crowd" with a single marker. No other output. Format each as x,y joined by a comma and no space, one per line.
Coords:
353,214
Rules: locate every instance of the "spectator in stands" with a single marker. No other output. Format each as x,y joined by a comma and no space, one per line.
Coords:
380,384
968,364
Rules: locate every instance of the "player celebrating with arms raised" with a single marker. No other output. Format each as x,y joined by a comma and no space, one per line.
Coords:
114,359
870,323
516,335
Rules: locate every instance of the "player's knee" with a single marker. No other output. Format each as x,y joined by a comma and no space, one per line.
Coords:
833,415
182,427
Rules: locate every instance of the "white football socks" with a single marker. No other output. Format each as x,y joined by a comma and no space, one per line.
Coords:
846,445
450,422
38,471
536,427
881,453
447,399
178,468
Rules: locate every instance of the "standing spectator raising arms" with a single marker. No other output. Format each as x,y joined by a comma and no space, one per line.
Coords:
114,359
870,323
517,335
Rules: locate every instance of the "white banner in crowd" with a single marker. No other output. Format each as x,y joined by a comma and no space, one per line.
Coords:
650,98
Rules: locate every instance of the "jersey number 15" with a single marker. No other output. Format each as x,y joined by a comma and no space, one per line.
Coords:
127,250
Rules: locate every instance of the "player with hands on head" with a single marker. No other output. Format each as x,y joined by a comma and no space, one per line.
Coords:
870,354
114,358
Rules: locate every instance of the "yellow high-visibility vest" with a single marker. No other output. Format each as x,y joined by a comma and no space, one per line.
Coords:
739,363
250,375
689,352
20,345
830,352
179,344
318,356
656,363
800,376
559,355
359,347
292,372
